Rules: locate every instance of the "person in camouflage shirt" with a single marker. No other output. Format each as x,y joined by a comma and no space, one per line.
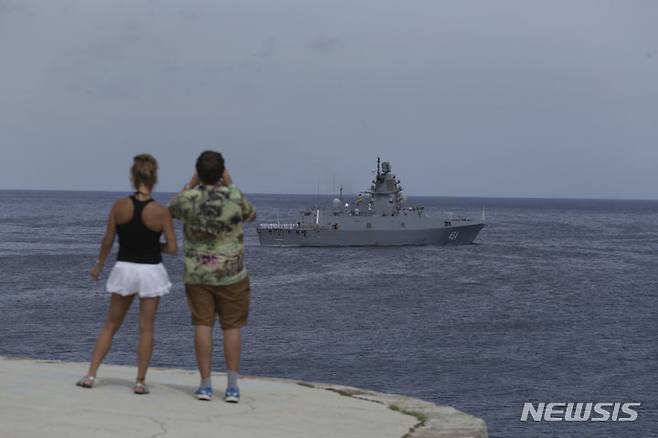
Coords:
212,218
212,210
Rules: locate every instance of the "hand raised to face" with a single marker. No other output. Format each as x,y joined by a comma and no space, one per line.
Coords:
194,181
226,178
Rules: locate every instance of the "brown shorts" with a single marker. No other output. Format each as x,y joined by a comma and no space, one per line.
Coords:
230,302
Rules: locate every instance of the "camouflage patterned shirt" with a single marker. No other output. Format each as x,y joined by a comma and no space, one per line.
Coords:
212,223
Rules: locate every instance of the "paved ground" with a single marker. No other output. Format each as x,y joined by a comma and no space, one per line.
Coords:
39,399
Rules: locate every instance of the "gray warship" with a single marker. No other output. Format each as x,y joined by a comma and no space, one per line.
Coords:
378,217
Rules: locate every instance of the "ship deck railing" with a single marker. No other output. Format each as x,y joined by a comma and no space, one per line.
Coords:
278,226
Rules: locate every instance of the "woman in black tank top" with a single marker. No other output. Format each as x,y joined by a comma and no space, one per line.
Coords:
137,242
139,222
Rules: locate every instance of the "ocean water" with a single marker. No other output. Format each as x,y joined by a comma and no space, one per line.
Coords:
557,301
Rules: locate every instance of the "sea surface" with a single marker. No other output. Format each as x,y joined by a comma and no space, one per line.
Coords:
557,302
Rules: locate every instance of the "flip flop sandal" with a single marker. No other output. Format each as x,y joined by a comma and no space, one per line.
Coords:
141,389
86,382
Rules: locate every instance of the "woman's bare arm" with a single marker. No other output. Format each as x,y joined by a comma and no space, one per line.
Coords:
170,246
106,244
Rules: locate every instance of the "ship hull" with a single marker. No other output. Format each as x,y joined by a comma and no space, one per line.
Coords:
447,235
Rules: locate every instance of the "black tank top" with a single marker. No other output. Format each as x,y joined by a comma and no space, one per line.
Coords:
137,243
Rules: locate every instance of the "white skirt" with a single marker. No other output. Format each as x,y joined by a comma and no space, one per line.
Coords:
147,280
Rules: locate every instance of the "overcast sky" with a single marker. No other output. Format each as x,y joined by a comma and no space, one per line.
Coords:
467,98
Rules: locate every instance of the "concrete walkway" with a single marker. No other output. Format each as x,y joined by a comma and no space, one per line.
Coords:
39,398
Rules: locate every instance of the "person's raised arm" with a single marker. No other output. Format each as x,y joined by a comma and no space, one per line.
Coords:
170,246
106,245
226,178
175,207
248,209
192,183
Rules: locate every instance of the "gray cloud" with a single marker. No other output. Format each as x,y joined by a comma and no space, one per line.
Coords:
324,43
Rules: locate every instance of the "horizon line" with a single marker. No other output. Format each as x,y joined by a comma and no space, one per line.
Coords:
542,197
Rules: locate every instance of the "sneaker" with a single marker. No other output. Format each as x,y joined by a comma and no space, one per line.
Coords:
204,393
232,395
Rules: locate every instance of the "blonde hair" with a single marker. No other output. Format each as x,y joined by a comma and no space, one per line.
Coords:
144,171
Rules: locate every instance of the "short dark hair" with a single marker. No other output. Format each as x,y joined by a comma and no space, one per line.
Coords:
210,167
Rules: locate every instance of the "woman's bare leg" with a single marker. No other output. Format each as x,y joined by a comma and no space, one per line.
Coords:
147,309
119,306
